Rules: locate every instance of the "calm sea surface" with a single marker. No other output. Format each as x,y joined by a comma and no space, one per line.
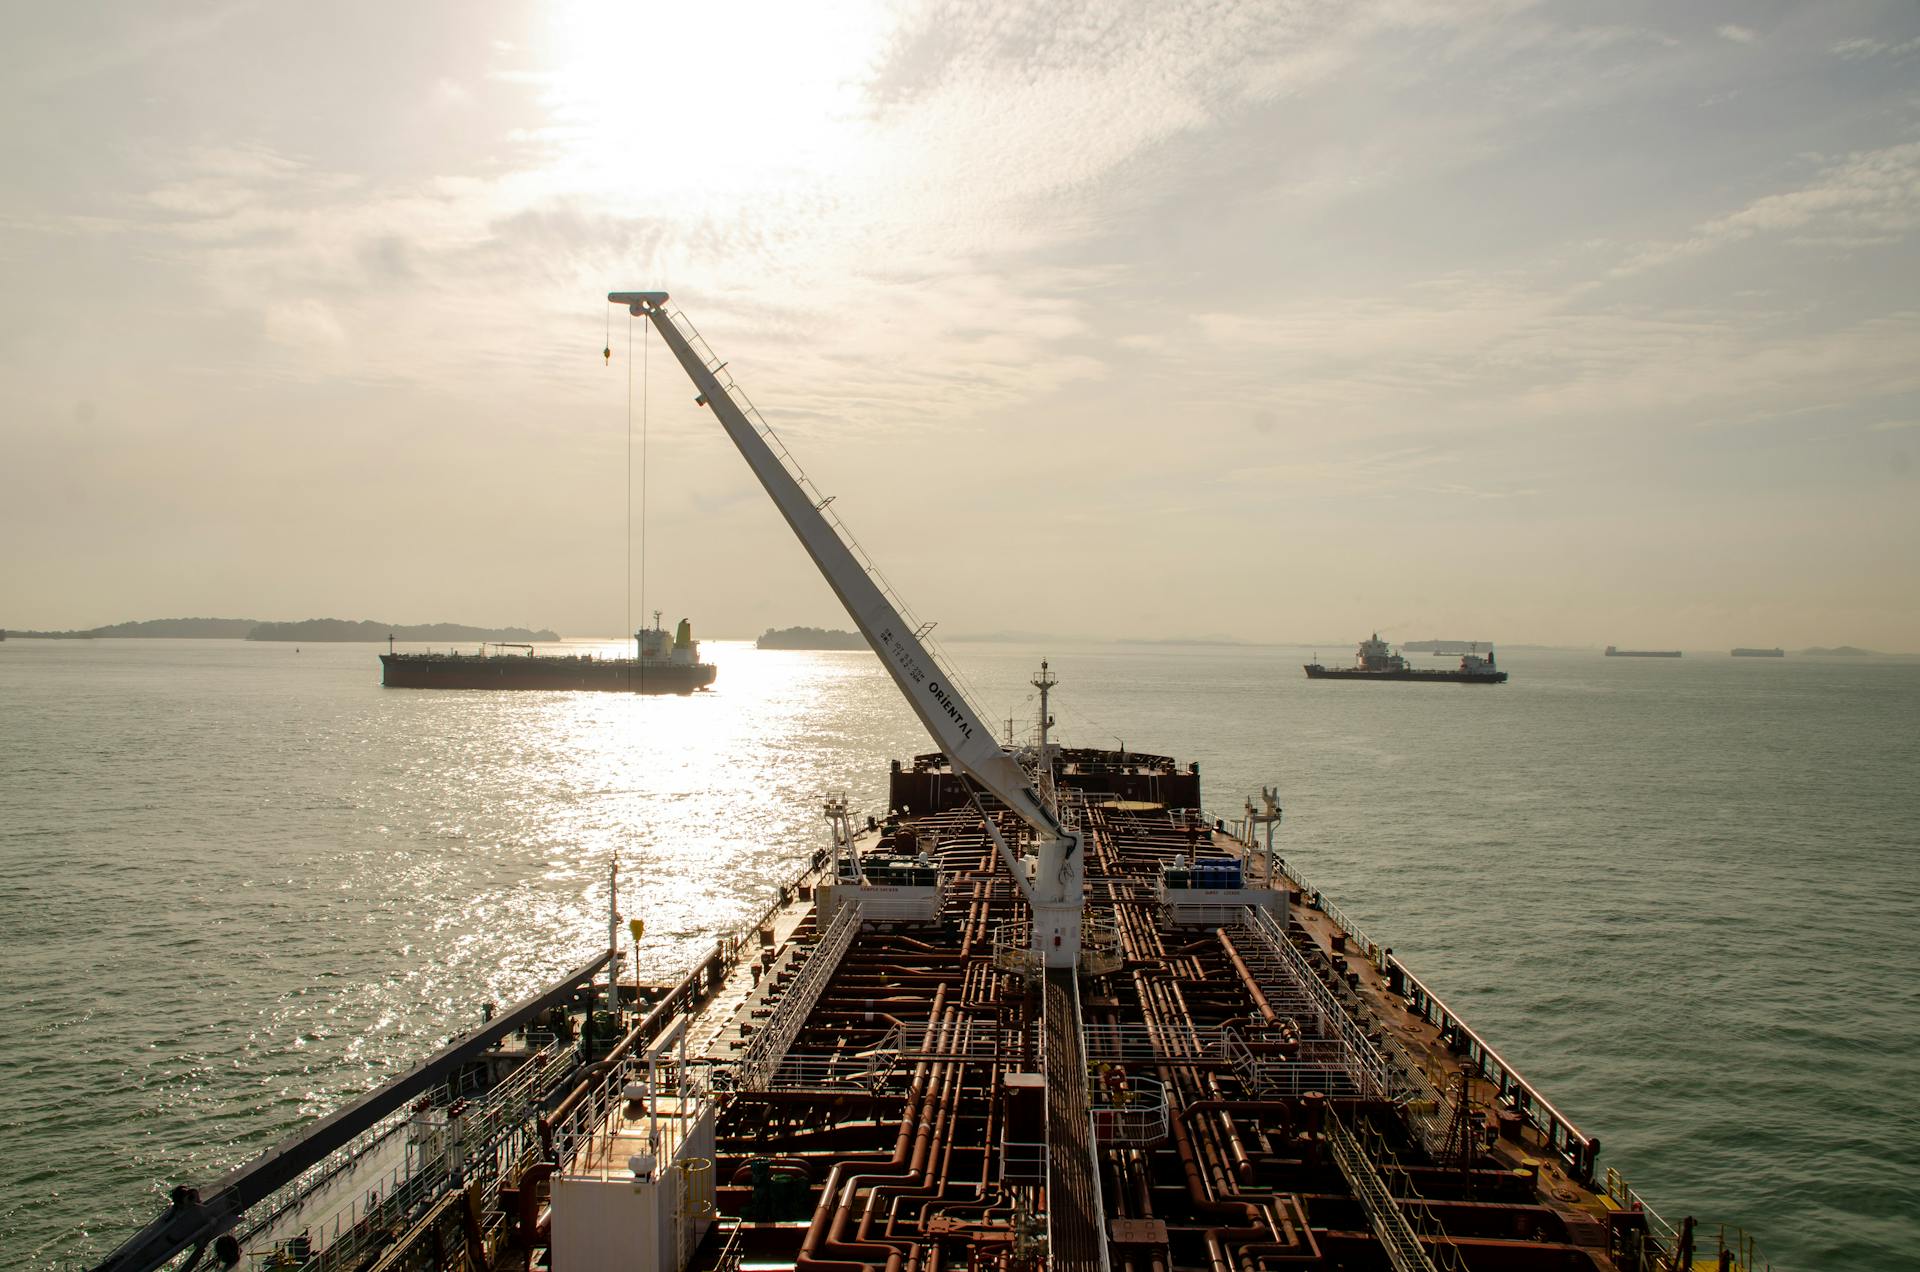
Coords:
240,883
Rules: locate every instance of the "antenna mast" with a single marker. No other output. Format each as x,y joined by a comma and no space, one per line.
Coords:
1045,682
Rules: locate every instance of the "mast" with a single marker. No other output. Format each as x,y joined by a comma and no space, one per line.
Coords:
1044,682
613,945
1052,879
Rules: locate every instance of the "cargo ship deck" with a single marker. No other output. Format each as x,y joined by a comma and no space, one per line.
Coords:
1235,1078
881,1076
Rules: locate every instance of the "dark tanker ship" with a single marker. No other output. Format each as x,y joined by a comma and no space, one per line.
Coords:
1376,661
663,665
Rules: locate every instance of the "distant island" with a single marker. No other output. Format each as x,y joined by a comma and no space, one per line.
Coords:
809,638
1177,640
313,631
322,630
155,629
1839,651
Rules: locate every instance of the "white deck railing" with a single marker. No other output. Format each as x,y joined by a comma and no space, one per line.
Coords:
769,1044
1277,964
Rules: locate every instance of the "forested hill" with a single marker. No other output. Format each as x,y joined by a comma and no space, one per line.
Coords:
312,630
810,638
318,630
157,628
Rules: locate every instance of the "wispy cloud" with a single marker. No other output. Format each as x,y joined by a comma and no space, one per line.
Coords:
1863,48
911,180
1868,197
99,49
1439,252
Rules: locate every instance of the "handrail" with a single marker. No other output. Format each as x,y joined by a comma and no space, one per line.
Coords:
1577,1149
1365,1063
582,1143
868,1069
459,1136
195,1217
769,1044
1103,1262
1419,1214
1132,1113
1628,1199
1390,1228
1013,951
265,1213
732,1252
1567,1141
1320,901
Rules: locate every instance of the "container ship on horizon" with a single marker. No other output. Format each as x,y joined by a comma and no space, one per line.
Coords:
1044,1012
664,664
1612,652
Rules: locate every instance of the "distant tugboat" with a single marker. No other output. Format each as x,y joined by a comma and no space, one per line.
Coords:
665,665
1376,661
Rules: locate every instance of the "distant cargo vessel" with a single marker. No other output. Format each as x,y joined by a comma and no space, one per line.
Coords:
1375,661
1759,653
1642,653
665,665
1441,648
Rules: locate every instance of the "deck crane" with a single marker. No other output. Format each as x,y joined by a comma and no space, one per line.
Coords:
1051,878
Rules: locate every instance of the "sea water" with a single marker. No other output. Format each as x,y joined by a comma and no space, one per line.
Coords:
241,882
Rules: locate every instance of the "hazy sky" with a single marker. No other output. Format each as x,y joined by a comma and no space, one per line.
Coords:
1569,323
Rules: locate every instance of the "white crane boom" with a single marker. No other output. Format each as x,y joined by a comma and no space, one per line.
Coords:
967,742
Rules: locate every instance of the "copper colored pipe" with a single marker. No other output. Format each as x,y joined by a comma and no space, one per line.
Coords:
1246,977
864,1241
1242,1163
1197,1192
529,1209
803,1097
836,1198
744,1173
934,1187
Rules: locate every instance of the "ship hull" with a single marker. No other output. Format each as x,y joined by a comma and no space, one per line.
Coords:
1317,672
607,675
